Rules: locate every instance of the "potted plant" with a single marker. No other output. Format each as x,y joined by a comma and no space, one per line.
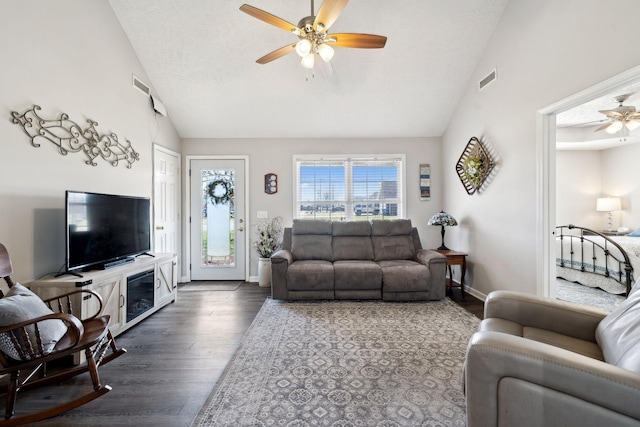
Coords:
268,240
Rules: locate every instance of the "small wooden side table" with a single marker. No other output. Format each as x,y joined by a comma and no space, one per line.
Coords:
455,258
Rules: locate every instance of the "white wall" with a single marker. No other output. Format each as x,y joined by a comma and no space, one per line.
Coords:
583,176
67,56
621,180
266,155
578,185
544,51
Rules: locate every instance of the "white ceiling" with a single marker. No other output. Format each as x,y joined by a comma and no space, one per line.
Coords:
200,57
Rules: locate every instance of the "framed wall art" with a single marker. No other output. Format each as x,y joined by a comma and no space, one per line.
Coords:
271,183
425,182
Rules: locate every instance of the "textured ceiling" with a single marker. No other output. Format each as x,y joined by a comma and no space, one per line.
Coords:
200,57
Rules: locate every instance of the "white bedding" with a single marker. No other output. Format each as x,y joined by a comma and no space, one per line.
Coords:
631,245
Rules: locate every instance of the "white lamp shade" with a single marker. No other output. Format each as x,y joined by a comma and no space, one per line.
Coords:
308,60
632,124
608,204
326,52
303,47
614,127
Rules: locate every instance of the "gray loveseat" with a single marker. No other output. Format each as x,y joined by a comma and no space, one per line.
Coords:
382,259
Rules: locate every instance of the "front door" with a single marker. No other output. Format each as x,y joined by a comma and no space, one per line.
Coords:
218,248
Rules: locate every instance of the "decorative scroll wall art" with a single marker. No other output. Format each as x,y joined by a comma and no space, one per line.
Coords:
474,166
70,137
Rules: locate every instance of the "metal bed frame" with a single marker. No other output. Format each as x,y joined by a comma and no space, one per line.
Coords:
579,238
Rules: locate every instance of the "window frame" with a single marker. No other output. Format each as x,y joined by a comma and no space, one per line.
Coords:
348,162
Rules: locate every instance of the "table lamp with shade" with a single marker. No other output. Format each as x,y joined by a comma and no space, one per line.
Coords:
442,219
608,204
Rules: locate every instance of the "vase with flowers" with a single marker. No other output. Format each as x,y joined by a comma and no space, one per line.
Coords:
268,240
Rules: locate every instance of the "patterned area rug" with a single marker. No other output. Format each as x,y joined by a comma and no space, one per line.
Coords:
346,364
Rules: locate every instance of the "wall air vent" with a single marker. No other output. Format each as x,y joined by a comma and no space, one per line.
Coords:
141,86
490,77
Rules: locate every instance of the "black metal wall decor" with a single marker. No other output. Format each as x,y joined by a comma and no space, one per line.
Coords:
70,137
474,166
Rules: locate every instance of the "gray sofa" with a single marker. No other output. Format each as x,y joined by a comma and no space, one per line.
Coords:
542,362
382,259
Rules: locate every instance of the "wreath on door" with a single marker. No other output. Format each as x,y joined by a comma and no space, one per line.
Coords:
220,191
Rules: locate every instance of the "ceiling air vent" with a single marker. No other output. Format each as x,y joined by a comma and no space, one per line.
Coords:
141,86
490,77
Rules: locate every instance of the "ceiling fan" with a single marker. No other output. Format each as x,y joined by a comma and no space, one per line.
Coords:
623,115
312,32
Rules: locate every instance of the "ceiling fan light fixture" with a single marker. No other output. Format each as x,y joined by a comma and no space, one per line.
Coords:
614,127
303,47
308,60
326,52
632,124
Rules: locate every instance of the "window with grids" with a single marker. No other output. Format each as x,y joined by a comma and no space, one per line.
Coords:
353,188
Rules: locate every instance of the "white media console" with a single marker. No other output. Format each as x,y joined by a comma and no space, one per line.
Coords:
130,292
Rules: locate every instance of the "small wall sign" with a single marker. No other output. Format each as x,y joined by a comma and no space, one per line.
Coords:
271,183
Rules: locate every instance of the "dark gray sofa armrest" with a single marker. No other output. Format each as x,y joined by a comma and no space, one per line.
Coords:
280,261
565,318
429,256
437,265
517,378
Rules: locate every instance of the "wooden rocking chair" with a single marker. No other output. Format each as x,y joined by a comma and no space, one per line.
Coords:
53,333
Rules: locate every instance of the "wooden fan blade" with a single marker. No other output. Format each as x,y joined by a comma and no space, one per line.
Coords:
610,113
278,53
362,41
267,17
603,126
328,13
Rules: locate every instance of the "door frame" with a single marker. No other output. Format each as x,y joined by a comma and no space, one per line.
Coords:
160,148
546,172
187,209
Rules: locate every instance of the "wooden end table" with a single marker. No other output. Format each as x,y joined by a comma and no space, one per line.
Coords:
455,258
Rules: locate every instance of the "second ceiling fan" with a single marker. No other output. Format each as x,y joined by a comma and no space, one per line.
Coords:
312,32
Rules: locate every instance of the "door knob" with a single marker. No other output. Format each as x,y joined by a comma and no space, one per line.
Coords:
240,220
241,229
159,228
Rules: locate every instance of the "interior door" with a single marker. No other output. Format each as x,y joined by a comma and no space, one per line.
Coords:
166,200
218,248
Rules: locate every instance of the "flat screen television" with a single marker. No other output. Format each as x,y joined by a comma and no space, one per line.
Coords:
105,230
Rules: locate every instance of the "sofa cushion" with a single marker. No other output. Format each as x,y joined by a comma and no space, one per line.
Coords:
618,334
306,226
576,345
387,248
392,240
352,275
310,275
404,276
311,240
21,305
394,227
352,228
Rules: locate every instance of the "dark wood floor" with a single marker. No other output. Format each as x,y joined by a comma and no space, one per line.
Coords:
174,358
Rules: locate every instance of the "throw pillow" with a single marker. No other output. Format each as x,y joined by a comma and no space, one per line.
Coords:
634,233
618,334
20,305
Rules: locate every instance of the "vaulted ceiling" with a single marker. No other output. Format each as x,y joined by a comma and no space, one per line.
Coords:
200,58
